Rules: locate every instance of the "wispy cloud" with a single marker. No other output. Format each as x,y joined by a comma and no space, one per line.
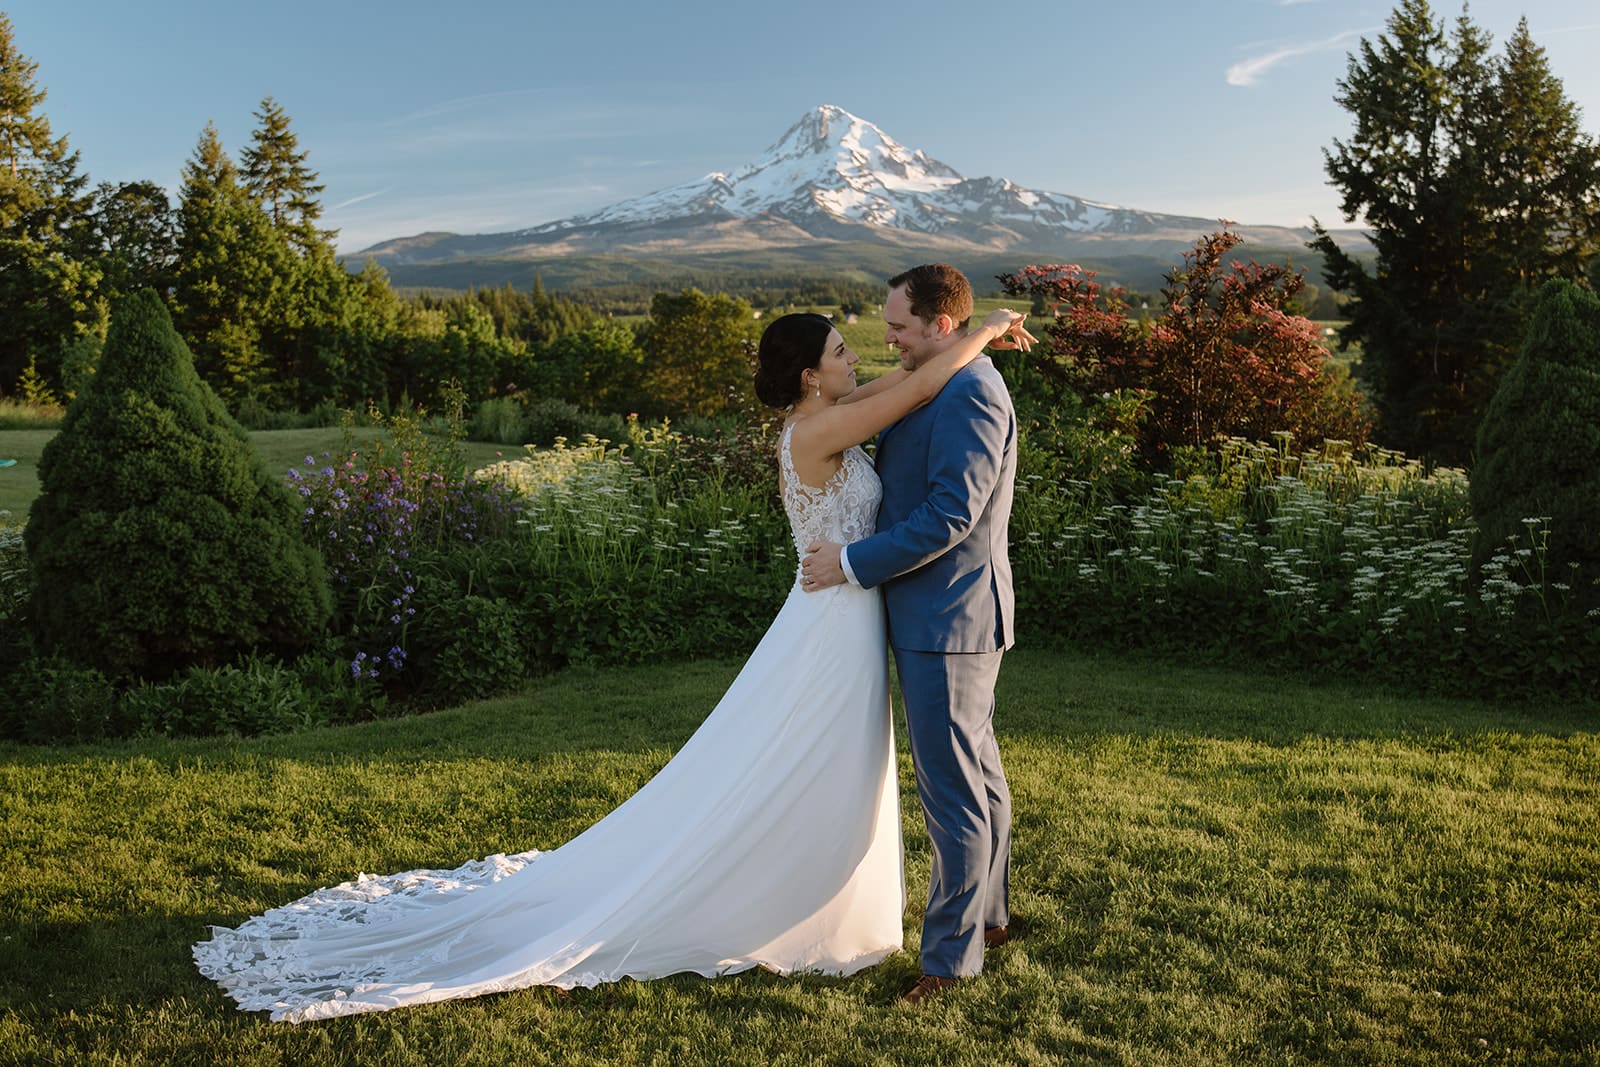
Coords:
357,199
1248,72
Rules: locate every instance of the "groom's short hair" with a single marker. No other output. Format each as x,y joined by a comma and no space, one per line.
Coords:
936,289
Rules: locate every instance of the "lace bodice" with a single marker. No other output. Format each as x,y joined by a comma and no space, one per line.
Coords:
845,509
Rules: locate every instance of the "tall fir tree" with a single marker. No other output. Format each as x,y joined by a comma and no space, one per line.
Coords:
231,264
275,171
1543,170
48,273
1476,184
306,326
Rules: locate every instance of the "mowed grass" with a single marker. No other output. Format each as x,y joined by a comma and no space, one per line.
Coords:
1210,868
281,449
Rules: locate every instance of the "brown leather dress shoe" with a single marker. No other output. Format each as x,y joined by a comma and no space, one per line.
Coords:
927,986
995,936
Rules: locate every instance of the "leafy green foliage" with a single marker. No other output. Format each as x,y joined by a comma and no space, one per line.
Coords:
53,699
600,369
517,420
136,235
698,352
252,697
1539,445
470,646
536,317
1319,561
1478,183
158,539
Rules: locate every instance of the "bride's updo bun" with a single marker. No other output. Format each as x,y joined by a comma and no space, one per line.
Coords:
790,346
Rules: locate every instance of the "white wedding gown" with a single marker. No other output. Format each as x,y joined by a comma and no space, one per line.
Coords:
771,839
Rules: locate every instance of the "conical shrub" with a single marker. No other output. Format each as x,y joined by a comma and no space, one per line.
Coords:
159,539
1538,450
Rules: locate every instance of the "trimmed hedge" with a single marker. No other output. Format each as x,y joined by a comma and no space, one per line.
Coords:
159,539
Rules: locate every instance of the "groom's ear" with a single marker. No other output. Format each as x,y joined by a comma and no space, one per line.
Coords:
945,325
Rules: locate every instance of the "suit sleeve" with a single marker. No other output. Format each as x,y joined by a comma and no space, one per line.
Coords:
970,431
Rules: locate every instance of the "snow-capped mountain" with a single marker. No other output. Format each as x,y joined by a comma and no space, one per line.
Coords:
833,167
834,178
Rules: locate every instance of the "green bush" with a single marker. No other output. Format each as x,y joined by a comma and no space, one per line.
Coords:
467,646
1539,444
159,539
512,420
252,414
55,699
498,420
254,697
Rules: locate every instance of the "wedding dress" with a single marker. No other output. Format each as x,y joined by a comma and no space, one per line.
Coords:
771,839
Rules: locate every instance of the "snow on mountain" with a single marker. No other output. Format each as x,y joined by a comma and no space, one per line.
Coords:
835,181
833,166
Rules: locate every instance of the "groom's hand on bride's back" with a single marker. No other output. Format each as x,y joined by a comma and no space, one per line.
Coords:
820,569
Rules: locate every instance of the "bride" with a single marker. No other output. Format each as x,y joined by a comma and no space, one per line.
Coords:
771,839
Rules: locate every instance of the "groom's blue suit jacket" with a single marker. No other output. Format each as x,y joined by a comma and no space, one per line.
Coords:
940,550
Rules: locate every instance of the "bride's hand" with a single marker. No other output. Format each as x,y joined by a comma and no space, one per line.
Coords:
1012,335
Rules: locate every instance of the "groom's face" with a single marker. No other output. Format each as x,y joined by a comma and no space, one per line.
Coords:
917,341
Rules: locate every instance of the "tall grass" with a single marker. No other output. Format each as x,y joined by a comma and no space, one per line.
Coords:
15,415
615,515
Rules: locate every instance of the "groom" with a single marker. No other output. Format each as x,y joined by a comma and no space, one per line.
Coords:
940,555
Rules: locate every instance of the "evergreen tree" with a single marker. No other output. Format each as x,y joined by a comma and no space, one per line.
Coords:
230,266
1476,184
275,172
159,539
47,274
1539,445
306,321
1543,171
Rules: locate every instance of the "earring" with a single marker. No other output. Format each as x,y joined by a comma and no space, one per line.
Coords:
819,391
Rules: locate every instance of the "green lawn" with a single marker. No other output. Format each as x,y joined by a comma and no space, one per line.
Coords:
20,484
1211,868
281,449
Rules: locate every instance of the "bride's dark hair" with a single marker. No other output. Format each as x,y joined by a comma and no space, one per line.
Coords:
790,346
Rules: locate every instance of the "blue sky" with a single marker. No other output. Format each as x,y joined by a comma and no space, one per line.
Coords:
496,115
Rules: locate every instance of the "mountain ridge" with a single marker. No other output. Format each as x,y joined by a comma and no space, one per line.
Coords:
836,179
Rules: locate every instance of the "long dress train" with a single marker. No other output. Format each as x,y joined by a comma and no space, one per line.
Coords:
771,839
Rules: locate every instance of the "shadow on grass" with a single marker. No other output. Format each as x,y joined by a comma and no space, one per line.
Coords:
1042,694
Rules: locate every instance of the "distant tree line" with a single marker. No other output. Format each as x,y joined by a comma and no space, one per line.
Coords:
272,315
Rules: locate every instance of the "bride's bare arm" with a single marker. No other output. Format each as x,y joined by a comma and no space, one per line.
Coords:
876,386
832,431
